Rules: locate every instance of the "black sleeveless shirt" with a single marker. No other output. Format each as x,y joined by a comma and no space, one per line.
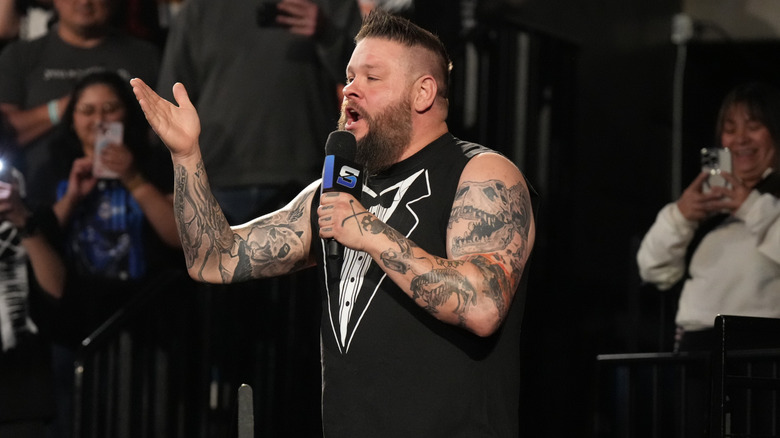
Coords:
389,368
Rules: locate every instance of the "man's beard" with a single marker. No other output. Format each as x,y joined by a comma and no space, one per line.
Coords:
389,134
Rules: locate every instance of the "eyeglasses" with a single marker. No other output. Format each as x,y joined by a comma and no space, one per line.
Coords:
105,109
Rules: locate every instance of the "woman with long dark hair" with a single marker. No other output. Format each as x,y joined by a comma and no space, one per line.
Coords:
108,216
723,241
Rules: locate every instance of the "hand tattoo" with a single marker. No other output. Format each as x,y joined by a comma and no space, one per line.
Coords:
355,216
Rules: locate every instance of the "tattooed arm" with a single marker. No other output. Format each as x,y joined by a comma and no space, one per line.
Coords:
274,244
489,239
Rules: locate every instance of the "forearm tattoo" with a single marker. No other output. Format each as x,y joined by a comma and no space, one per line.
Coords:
200,223
272,245
496,221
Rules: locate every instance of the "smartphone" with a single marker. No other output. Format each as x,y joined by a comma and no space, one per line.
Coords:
5,171
108,133
714,161
266,13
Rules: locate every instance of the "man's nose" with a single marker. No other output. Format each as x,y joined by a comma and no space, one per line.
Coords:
351,89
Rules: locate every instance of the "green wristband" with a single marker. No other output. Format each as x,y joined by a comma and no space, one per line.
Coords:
54,113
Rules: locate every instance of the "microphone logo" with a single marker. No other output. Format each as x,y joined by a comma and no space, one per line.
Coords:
348,177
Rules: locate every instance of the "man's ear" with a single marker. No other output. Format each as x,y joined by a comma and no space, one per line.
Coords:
425,93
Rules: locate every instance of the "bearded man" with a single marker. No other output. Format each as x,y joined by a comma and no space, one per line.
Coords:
420,329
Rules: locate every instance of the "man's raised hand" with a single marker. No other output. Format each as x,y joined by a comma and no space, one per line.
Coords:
177,126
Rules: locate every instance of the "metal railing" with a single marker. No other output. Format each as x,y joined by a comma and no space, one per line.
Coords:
652,395
131,376
729,392
745,378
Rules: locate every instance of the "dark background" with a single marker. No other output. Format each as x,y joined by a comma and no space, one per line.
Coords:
598,146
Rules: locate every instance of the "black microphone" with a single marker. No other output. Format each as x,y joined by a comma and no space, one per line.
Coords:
340,174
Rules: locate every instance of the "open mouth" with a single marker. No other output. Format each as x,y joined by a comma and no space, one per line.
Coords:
353,116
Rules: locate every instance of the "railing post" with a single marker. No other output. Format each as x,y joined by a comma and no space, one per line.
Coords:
78,388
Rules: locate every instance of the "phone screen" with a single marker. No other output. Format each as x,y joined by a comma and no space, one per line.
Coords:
714,161
108,133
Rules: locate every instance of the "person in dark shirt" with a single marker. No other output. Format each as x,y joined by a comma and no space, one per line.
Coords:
421,321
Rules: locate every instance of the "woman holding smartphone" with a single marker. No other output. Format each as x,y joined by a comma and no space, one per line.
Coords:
116,222
723,241
114,208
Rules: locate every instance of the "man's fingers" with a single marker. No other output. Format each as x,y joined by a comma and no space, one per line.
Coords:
144,95
137,82
295,7
299,15
181,95
140,89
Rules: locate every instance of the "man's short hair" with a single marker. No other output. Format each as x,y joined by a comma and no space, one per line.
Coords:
384,25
